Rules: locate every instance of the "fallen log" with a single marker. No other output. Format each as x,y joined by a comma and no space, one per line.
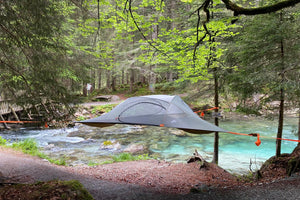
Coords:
198,158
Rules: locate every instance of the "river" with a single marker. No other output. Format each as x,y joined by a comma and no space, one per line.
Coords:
84,145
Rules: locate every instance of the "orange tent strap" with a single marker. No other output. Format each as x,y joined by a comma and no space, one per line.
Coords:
16,122
292,140
214,108
258,142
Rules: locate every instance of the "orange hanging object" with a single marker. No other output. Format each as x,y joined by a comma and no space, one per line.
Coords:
202,114
258,142
46,125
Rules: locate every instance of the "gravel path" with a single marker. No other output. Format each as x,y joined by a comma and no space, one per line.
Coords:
145,179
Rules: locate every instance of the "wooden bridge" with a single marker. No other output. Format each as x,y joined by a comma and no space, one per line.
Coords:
9,110
6,107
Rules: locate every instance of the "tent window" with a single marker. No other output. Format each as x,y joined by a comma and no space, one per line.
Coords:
142,108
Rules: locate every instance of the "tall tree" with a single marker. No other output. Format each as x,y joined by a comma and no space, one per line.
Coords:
267,59
34,60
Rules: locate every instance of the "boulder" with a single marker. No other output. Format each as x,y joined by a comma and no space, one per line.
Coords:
135,149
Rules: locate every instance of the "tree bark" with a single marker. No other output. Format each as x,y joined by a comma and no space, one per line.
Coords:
216,142
113,80
259,10
281,106
108,85
280,123
299,125
99,79
131,80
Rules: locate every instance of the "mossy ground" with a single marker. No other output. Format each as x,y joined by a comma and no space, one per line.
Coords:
46,190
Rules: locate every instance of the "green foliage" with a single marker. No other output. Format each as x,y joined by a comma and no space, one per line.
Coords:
266,48
35,64
248,110
103,108
123,157
129,157
54,189
3,141
80,190
60,161
29,146
92,164
107,142
80,118
246,177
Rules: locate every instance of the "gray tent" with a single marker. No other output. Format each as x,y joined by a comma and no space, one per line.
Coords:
155,110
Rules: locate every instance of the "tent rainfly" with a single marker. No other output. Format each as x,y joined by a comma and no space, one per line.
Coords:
155,110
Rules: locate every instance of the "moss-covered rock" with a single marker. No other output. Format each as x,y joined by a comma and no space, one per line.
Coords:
46,190
286,164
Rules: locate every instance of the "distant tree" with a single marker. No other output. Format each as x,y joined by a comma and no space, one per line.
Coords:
34,63
267,57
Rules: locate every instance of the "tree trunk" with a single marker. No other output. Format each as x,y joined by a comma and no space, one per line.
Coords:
280,123
131,80
99,79
123,77
281,106
113,80
299,125
216,142
108,79
84,91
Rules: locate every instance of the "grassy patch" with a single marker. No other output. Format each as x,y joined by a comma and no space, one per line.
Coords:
103,108
29,146
3,141
80,118
46,190
122,157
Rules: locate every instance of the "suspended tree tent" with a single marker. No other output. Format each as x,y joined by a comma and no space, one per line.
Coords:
155,110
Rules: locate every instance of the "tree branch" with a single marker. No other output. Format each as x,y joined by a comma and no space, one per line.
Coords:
259,10
128,2
205,8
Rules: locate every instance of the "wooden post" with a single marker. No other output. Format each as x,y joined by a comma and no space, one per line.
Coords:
14,113
5,125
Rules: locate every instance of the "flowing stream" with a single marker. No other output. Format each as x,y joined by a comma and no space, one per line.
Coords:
237,154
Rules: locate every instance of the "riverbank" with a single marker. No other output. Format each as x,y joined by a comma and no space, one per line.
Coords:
147,179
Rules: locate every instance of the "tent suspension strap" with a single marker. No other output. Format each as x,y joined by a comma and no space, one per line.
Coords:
22,122
214,108
202,111
19,122
258,142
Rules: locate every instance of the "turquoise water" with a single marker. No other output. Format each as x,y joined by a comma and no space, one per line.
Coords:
85,144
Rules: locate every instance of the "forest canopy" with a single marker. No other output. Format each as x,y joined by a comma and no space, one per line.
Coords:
51,49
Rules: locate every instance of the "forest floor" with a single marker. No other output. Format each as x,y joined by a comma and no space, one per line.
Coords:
149,179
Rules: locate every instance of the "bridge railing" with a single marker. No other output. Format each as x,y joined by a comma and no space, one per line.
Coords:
6,107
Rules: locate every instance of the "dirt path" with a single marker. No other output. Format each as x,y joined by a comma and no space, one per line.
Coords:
144,179
22,168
